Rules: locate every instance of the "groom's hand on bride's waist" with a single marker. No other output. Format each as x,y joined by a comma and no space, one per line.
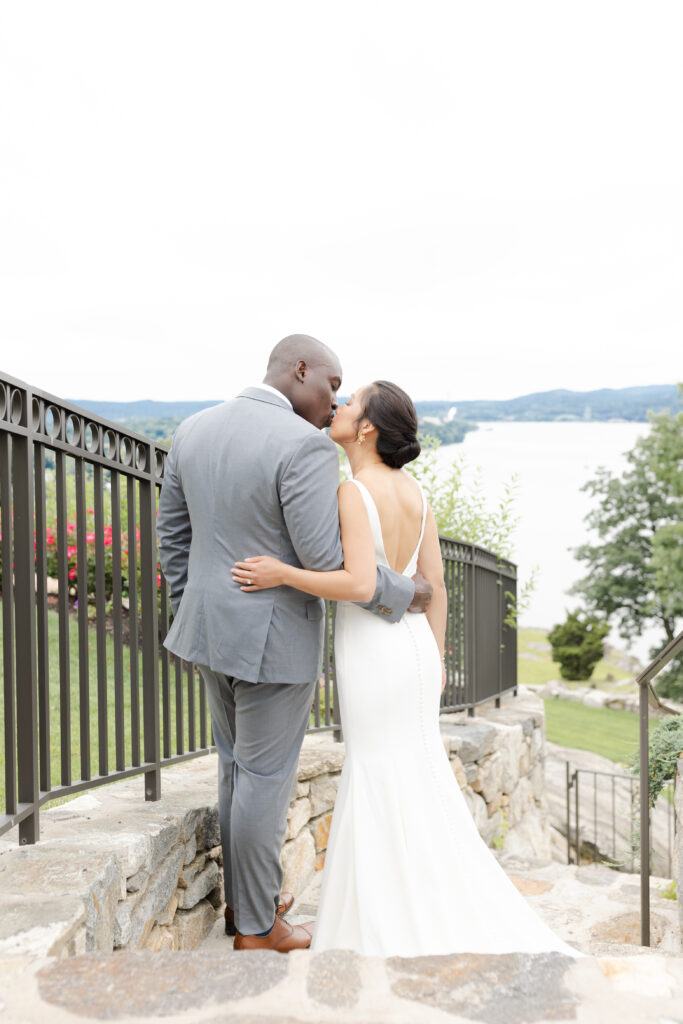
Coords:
423,594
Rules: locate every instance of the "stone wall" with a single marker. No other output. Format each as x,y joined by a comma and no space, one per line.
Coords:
171,901
498,759
113,872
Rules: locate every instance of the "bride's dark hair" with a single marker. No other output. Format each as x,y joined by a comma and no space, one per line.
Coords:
392,413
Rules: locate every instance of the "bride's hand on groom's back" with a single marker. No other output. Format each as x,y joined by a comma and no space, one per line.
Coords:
423,593
259,573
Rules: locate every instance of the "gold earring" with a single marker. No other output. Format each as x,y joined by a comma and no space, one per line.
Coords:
361,437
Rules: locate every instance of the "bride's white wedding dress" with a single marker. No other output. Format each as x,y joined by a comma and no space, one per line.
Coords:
406,871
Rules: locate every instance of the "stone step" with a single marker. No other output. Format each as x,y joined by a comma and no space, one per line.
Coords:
595,909
267,988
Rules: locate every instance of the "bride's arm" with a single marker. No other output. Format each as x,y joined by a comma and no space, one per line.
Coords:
355,582
430,564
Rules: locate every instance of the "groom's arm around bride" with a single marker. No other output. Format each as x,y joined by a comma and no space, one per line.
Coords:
255,475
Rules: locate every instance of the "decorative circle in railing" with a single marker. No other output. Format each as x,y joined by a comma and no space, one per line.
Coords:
109,444
16,406
92,437
72,431
53,421
141,457
126,451
36,414
3,402
159,461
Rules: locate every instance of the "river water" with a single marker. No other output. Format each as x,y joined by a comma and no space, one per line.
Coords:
552,461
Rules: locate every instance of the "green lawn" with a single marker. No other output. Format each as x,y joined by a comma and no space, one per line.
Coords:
614,734
536,667
55,738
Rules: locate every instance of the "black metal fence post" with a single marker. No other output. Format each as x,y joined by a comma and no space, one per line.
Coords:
568,786
150,629
25,626
8,661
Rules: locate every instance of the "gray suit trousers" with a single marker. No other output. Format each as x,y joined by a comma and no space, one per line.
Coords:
258,729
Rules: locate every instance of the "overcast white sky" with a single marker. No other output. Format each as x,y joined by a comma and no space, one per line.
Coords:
474,199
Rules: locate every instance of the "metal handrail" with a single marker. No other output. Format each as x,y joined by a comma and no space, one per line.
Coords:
647,696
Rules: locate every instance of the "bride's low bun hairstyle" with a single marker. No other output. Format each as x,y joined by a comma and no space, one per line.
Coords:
392,413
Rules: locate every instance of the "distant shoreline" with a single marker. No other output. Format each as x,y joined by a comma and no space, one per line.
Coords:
448,421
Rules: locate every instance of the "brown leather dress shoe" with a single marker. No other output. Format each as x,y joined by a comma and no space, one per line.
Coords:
285,903
282,937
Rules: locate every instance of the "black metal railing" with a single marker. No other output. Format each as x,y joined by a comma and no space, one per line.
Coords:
88,693
481,638
602,821
647,697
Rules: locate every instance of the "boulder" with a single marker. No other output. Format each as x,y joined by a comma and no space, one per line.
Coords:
151,904
190,871
320,760
593,698
191,926
199,887
490,775
298,814
321,831
470,740
530,838
521,799
477,807
458,771
510,745
190,849
537,746
298,862
323,793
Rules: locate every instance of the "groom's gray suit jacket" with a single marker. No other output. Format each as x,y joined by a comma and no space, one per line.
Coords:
250,477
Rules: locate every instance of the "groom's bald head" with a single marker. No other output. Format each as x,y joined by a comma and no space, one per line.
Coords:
309,374
299,346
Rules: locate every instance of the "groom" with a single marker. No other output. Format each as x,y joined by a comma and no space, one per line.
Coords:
256,476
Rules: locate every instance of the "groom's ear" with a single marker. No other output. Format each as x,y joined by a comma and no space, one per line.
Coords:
301,369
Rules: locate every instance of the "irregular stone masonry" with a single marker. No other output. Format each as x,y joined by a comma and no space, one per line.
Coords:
114,872
265,988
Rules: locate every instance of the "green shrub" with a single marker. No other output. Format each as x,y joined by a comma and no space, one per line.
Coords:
578,645
666,746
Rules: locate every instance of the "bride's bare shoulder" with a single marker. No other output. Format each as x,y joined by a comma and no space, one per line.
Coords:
376,475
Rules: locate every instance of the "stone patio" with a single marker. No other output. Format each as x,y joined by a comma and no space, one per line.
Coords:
339,986
47,978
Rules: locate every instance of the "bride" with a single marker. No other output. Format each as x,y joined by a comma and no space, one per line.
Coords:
406,871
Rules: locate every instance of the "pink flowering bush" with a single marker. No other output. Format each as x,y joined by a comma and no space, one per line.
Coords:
71,540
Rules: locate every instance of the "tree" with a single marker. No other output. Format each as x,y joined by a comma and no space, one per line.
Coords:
635,570
577,645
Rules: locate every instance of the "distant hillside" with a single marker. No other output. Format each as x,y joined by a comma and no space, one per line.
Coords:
448,421
145,409
605,404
